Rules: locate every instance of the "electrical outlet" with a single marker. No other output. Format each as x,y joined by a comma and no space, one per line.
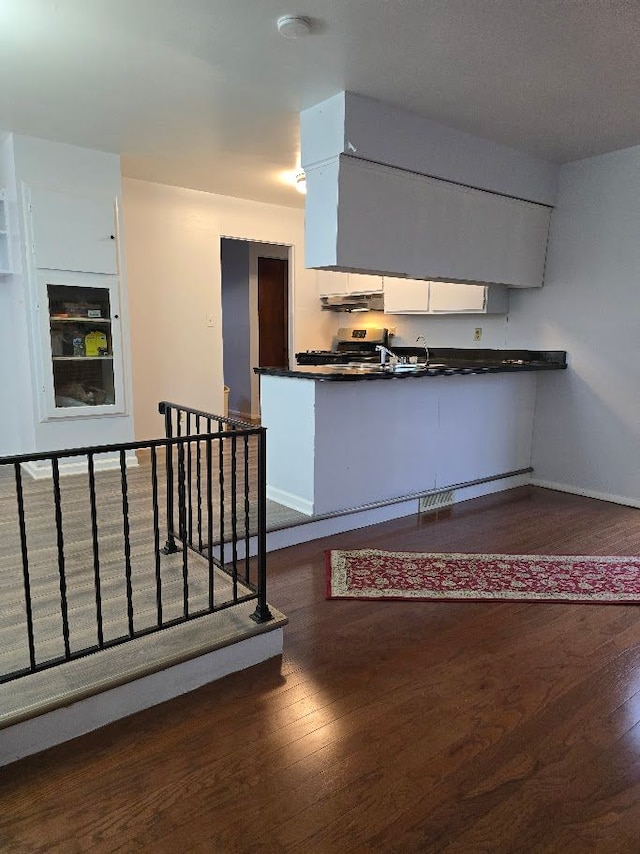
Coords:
392,330
477,333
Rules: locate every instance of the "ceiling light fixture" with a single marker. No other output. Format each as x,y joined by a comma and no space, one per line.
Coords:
301,182
293,26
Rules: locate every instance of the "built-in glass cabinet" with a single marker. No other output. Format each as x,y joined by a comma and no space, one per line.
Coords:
84,349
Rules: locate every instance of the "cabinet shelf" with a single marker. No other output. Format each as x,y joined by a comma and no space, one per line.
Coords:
79,319
80,358
85,355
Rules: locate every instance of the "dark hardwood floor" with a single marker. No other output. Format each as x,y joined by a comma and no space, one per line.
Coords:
388,726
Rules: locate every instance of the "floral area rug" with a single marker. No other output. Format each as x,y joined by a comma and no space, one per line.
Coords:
373,574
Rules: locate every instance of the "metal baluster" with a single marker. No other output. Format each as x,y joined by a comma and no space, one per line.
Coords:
156,529
61,563
170,546
210,521
199,485
262,613
96,550
189,504
25,566
182,533
247,507
127,543
234,514
221,489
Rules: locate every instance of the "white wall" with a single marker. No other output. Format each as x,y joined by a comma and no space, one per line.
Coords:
17,429
32,162
173,265
587,428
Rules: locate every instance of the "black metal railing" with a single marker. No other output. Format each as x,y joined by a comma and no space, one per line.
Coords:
82,565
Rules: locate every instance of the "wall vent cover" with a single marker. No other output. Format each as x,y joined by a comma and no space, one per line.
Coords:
436,500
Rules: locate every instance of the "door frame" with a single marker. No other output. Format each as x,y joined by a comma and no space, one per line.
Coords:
266,250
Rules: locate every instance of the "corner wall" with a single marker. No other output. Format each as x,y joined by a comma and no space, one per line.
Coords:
587,426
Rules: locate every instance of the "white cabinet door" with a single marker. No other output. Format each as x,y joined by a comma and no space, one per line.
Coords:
330,283
406,296
449,297
5,264
364,283
81,343
414,225
73,232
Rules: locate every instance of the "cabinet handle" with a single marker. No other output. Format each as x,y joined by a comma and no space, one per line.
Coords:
112,237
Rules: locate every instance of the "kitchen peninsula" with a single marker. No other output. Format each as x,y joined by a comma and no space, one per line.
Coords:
341,437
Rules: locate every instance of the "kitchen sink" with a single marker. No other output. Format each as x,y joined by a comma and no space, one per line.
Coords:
375,368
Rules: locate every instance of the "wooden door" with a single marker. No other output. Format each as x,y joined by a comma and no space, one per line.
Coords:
273,311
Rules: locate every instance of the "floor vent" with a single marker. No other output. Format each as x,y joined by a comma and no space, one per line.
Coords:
436,500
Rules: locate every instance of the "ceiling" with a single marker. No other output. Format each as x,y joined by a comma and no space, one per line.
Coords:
206,93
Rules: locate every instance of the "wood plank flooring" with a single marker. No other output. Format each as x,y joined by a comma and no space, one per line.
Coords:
44,570
388,726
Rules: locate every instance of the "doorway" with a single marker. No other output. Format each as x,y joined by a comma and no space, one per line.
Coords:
256,326
273,313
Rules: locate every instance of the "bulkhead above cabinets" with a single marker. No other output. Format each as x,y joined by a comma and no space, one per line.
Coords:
390,220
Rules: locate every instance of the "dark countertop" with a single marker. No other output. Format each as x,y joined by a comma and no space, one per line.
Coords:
449,361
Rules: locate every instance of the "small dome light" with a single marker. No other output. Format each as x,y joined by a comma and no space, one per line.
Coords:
293,26
301,182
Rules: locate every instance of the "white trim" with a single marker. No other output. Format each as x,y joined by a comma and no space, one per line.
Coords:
314,529
42,470
588,493
60,725
281,496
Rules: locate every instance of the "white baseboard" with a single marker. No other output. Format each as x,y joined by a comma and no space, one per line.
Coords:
588,493
62,724
280,496
314,529
42,469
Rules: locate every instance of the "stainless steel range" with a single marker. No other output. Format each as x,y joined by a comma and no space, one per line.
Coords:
351,345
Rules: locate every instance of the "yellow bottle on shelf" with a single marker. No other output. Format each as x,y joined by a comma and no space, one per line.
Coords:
95,344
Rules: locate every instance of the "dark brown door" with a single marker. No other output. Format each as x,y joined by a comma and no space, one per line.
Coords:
273,312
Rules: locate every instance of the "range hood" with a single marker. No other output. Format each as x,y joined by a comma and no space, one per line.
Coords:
352,302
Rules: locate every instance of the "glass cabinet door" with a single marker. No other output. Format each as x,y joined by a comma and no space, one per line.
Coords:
82,337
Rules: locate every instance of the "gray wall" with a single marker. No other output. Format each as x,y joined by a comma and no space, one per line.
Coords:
587,428
236,326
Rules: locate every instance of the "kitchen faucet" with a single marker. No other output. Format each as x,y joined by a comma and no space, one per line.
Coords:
424,344
384,352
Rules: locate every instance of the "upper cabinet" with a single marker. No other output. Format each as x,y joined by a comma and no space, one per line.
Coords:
72,232
406,296
5,263
330,283
411,296
389,220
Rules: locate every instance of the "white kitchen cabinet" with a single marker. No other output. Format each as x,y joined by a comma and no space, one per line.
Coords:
406,296
5,261
331,283
386,219
415,296
362,283
81,340
72,232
